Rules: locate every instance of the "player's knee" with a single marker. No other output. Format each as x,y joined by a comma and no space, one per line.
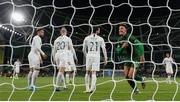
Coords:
93,72
129,76
125,74
126,77
61,69
31,69
87,72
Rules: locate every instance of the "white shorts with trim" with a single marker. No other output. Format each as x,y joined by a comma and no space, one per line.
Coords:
169,70
17,70
34,60
93,62
61,59
71,63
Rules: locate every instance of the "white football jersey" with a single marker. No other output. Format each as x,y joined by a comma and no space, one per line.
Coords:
36,45
93,43
62,43
17,64
168,62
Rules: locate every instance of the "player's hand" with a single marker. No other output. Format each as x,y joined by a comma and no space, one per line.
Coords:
44,56
76,61
105,61
142,59
125,45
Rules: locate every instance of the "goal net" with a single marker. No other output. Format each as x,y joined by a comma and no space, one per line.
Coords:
154,22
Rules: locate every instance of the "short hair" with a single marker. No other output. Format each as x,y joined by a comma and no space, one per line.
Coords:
167,52
125,25
39,29
95,29
63,29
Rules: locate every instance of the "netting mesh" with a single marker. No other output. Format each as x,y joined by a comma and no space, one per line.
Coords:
154,20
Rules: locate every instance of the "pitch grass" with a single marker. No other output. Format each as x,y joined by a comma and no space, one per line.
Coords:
122,90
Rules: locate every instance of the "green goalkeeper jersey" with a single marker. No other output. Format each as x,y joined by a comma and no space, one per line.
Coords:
137,48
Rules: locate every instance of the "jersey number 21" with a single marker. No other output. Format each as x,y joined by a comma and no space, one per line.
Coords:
94,46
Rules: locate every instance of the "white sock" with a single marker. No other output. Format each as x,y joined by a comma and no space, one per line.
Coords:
93,82
58,79
73,76
67,77
169,77
29,78
87,82
34,76
63,81
16,75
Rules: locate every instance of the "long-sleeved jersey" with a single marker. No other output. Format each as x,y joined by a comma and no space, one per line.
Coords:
36,45
137,48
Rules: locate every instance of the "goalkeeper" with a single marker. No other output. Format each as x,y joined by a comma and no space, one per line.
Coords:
125,50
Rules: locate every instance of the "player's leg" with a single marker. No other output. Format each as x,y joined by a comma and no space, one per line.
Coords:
36,69
127,66
131,75
87,75
67,76
168,75
69,71
59,78
31,64
128,76
71,77
87,80
95,68
14,74
137,76
63,79
17,73
93,81
34,76
29,76
61,64
72,73
141,79
169,78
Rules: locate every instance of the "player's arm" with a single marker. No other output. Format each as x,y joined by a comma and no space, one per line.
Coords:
74,55
172,59
84,47
20,64
141,51
54,51
14,64
103,46
163,62
120,49
38,47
